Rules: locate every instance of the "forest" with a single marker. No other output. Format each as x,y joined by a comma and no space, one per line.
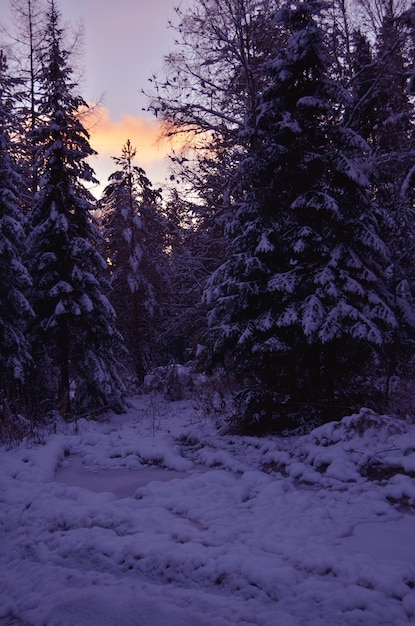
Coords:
280,256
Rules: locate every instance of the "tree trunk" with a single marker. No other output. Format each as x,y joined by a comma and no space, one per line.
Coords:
63,346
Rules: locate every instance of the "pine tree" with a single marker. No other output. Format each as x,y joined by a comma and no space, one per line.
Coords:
74,324
383,112
134,233
301,306
195,245
15,312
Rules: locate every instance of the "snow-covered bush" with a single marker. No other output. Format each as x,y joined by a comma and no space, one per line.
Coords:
260,411
212,395
363,445
174,381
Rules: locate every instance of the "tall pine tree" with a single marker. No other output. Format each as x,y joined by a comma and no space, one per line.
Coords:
135,235
15,311
383,112
301,306
74,327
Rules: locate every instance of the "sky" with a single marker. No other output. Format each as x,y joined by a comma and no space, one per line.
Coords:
124,44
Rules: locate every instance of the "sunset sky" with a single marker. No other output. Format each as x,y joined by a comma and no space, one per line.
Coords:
124,44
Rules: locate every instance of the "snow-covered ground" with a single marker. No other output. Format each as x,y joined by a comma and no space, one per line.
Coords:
153,518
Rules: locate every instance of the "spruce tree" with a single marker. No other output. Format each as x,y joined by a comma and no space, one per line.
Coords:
301,306
134,231
196,247
383,112
74,327
15,311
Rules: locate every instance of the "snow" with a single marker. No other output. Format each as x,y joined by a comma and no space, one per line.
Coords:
122,482
156,517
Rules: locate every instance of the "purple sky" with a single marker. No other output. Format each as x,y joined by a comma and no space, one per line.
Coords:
124,44
125,41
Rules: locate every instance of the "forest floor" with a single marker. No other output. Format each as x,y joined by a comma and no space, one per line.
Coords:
158,518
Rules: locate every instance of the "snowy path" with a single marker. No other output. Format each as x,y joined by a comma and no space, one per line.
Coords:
245,531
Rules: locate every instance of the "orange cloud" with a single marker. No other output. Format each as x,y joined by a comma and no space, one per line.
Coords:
107,137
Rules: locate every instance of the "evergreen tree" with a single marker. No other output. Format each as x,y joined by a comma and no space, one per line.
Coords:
135,237
383,112
301,306
74,327
15,311
195,245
